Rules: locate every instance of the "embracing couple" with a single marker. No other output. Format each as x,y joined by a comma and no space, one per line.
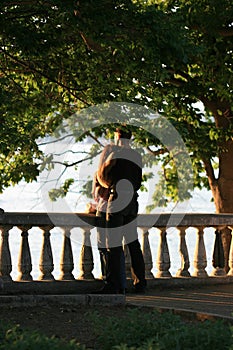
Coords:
115,187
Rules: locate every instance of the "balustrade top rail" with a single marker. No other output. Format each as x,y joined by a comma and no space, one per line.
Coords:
144,220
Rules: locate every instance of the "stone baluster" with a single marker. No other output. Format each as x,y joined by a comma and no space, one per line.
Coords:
218,255
24,261
230,272
46,258
226,236
86,263
128,269
163,258
5,255
147,252
66,261
185,264
200,261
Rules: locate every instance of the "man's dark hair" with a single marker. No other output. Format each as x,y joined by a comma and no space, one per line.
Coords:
124,134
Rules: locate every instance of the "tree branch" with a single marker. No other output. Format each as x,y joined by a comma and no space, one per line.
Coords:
175,82
158,152
36,71
210,172
184,75
221,120
95,139
227,32
68,165
91,45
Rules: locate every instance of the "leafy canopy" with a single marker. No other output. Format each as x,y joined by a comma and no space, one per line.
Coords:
59,57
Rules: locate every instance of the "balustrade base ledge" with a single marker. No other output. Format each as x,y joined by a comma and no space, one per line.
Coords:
62,300
50,287
187,282
87,286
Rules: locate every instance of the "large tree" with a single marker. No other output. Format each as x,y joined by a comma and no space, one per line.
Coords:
58,57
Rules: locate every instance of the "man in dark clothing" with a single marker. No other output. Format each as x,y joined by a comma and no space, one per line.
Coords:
121,173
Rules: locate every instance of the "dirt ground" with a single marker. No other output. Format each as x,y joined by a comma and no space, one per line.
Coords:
62,322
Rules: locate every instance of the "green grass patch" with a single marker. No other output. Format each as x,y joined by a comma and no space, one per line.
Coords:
135,329
155,331
15,338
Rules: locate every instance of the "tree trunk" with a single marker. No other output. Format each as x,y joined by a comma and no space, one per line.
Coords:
222,190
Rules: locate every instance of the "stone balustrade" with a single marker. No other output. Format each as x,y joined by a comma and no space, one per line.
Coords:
45,223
